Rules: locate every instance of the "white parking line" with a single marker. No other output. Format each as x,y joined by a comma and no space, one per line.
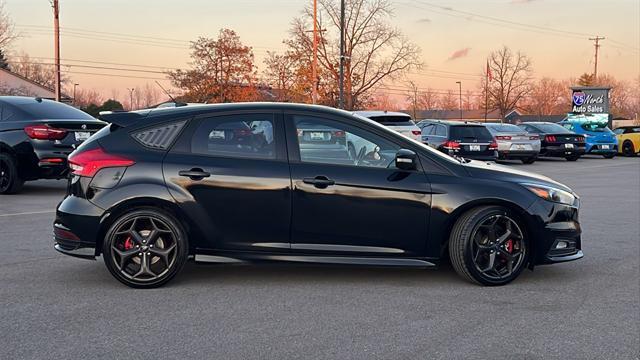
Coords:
28,213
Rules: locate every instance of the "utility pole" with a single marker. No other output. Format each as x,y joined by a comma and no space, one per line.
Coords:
130,98
460,94
597,46
314,64
74,93
341,81
56,30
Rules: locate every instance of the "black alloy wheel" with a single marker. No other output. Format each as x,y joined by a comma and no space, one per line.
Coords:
529,160
572,157
145,248
10,182
488,246
627,148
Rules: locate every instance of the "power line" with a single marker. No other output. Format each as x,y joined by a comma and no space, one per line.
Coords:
114,75
89,67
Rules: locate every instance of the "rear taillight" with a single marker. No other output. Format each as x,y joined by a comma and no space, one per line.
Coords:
494,145
534,137
501,137
451,145
580,138
550,138
88,163
338,133
416,132
45,132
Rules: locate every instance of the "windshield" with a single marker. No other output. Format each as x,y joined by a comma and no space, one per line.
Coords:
552,128
596,127
473,132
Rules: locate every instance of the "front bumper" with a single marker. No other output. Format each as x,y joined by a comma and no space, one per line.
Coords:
556,233
598,149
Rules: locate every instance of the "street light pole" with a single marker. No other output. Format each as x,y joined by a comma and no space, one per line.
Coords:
460,94
74,93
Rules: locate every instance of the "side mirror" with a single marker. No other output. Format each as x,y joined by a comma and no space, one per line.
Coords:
406,160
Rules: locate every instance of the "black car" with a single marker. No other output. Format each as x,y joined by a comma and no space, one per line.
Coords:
556,140
153,189
36,135
459,138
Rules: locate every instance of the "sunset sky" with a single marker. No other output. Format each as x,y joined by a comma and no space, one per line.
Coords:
454,40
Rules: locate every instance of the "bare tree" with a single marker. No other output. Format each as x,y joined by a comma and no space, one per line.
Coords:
7,31
548,96
290,79
374,50
449,101
413,98
37,72
86,97
511,79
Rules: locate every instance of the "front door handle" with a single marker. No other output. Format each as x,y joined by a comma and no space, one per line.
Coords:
194,174
321,182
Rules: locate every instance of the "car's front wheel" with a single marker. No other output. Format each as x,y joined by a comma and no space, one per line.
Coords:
145,248
488,246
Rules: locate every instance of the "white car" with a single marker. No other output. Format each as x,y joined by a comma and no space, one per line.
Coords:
397,121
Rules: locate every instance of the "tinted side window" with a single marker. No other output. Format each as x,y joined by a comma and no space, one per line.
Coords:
242,136
331,142
426,129
441,130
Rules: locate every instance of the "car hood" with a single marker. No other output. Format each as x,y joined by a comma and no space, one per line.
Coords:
492,171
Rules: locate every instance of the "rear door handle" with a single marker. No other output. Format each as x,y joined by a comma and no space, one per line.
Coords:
321,182
194,174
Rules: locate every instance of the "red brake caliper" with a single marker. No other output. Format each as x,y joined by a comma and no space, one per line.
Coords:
128,244
509,246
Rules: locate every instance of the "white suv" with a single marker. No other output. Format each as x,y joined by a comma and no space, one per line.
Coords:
397,121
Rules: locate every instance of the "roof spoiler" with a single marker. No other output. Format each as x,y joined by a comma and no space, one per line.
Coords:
121,118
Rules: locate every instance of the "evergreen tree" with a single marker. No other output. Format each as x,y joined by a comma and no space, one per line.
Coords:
4,64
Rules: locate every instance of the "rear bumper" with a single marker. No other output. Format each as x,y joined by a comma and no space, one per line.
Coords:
76,227
482,156
508,154
561,151
597,149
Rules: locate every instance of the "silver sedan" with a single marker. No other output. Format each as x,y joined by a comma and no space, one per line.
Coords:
515,143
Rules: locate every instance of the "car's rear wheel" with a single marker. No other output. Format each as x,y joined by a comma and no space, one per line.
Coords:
529,160
488,246
572,157
627,148
145,248
10,182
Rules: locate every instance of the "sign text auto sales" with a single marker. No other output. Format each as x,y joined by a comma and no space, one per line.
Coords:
590,101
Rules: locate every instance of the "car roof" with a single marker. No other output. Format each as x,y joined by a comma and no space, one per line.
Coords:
451,122
378,113
124,118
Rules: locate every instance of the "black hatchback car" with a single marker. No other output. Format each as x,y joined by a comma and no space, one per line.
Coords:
158,187
36,135
460,138
556,140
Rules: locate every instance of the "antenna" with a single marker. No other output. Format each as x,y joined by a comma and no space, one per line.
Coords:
170,97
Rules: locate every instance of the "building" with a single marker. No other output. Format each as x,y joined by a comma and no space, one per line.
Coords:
15,84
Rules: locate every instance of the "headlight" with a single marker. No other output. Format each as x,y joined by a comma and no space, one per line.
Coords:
552,194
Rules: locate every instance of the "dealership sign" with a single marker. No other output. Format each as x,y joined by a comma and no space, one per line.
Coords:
590,100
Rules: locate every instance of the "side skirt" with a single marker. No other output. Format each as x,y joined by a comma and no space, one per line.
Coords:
314,259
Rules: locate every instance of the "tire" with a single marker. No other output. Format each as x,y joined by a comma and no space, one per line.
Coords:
609,156
125,253
529,160
464,248
572,157
10,181
627,148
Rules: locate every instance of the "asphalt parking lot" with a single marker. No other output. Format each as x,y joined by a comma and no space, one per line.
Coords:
58,307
